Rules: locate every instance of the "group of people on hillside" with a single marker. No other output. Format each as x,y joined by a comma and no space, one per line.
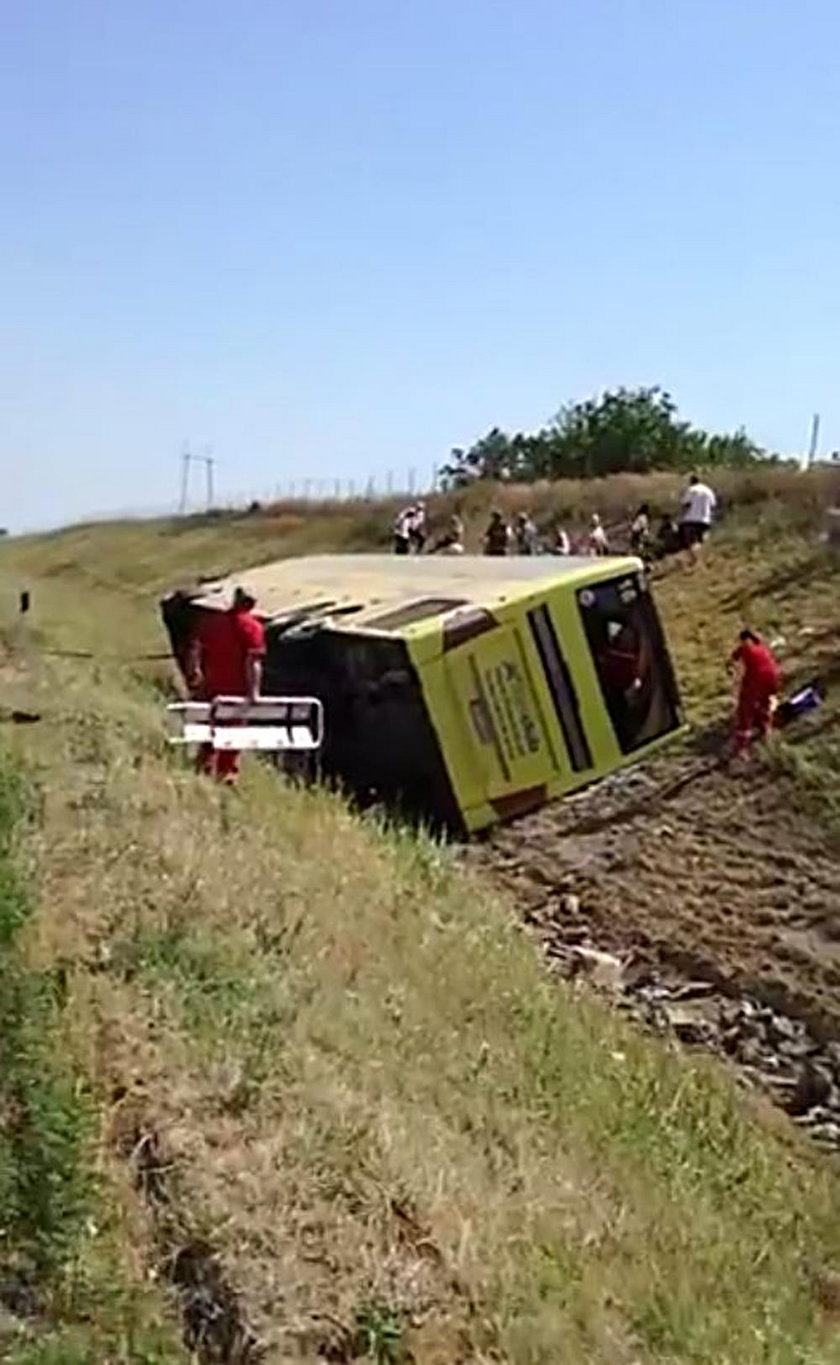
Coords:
225,656
698,506
410,533
410,530
523,537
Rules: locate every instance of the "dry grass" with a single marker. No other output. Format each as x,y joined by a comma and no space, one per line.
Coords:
399,1134
139,556
799,497
768,571
375,1098
71,1287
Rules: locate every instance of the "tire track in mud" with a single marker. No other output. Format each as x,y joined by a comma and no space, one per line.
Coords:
690,869
722,904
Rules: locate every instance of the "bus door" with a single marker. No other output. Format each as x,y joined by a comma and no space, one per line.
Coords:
495,696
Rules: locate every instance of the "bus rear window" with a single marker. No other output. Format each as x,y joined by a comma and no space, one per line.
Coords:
631,659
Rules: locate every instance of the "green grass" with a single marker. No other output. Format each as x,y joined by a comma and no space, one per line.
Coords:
45,1191
51,1270
380,1334
813,769
84,1346
397,1132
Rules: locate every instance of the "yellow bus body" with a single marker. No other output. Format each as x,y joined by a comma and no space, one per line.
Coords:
535,676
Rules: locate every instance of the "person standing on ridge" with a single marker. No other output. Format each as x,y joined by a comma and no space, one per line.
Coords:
596,542
561,544
497,536
526,534
402,531
417,528
640,539
760,681
697,509
225,660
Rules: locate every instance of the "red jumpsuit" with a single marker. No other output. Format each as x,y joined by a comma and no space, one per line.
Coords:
225,642
759,684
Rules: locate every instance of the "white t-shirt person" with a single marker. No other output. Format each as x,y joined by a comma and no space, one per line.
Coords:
698,508
698,503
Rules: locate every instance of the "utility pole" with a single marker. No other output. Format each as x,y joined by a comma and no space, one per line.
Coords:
187,461
815,436
185,477
209,462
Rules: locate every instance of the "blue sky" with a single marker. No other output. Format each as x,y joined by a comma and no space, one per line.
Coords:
333,238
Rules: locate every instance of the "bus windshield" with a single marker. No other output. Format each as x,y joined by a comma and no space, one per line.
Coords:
631,659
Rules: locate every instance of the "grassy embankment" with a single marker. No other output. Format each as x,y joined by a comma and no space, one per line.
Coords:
71,1287
395,1131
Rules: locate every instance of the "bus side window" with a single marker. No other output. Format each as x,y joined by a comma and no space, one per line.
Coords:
561,687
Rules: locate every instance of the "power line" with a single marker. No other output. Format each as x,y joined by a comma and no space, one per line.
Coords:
188,459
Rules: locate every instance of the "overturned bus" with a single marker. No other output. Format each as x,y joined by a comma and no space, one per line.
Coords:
461,691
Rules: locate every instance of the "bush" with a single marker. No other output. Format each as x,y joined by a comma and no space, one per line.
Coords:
634,430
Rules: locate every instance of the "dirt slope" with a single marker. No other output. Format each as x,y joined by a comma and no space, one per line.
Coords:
719,880
687,864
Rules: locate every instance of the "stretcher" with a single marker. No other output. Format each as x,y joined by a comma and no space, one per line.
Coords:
269,724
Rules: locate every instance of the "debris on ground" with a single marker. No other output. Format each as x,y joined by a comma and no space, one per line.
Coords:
704,907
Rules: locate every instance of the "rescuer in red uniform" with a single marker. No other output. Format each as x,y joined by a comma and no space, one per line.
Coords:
760,679
225,660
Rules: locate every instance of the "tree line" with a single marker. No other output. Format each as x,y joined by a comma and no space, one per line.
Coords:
635,430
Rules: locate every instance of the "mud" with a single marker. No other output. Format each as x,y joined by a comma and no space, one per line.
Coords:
705,885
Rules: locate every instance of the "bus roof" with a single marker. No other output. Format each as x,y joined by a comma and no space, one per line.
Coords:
391,592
